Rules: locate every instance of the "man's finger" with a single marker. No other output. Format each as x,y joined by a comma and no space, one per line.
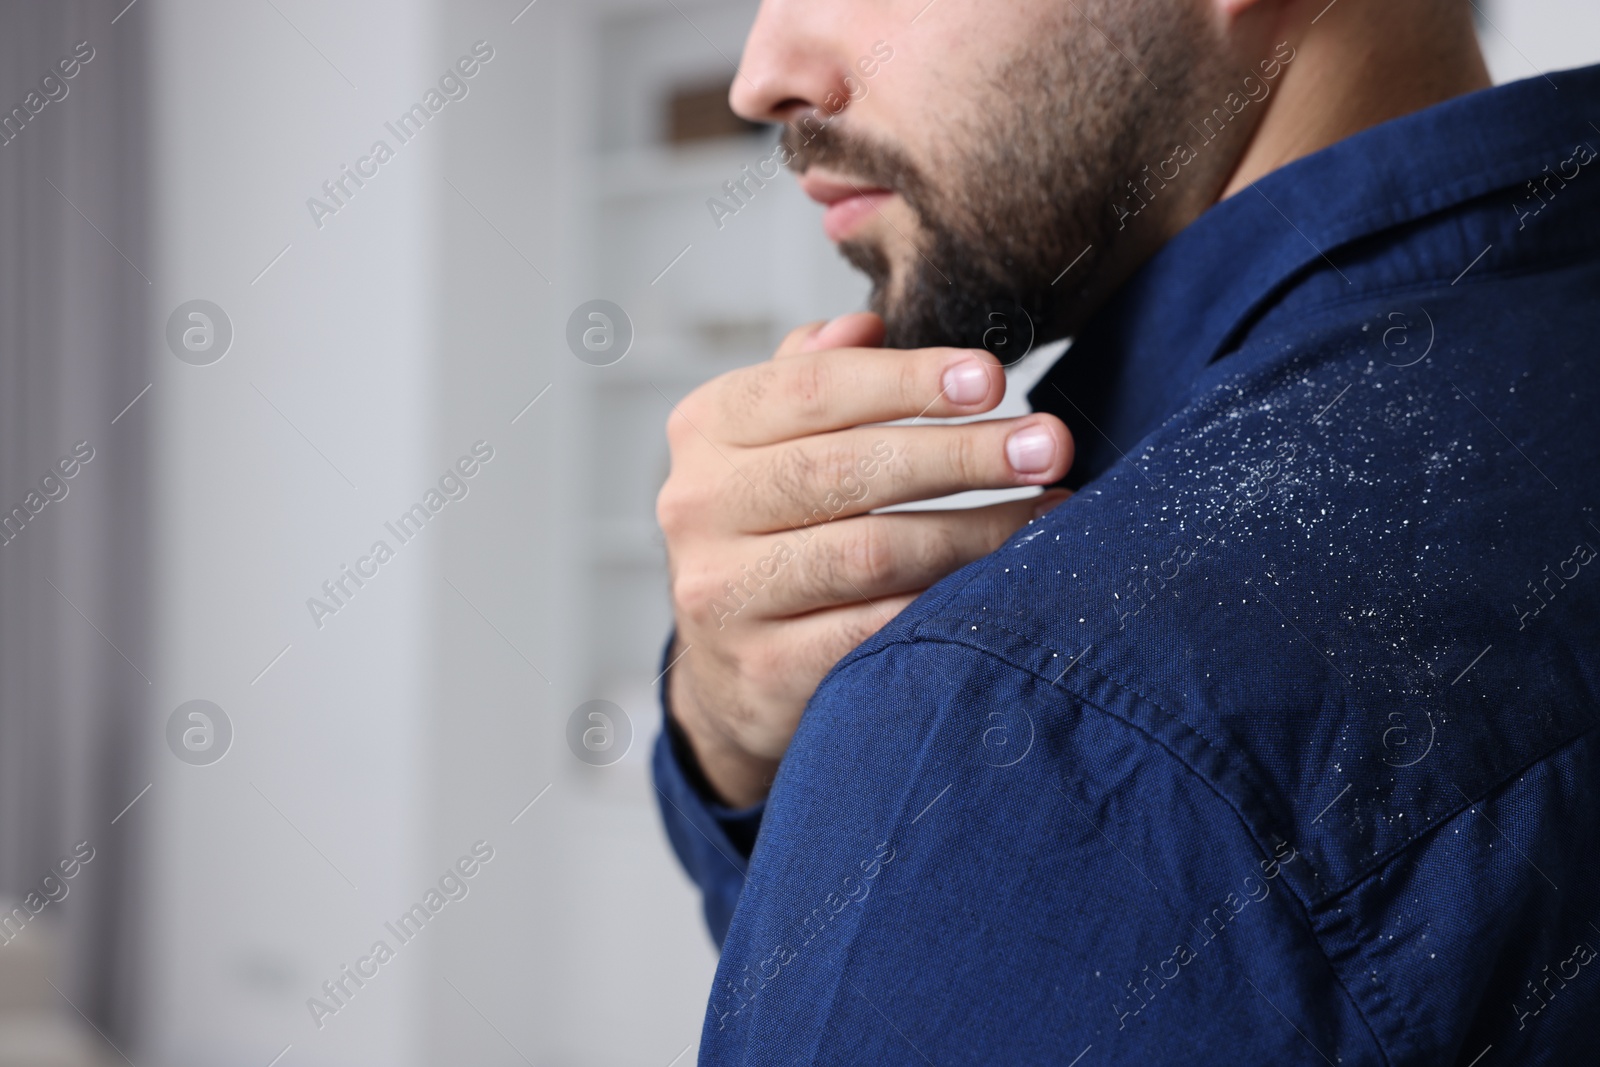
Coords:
873,557
815,642
796,338
837,475
860,329
816,392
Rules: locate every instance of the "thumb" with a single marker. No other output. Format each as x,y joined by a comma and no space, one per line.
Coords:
858,329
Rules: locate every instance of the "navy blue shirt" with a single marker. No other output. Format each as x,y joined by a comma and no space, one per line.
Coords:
1277,742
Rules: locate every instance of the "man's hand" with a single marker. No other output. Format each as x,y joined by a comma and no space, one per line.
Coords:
777,568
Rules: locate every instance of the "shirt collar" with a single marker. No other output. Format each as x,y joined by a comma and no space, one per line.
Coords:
1315,219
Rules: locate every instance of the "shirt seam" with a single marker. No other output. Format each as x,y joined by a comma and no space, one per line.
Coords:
1420,205
1406,289
1500,784
847,949
1306,912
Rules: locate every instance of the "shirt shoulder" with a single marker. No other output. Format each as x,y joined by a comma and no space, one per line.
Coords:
1322,580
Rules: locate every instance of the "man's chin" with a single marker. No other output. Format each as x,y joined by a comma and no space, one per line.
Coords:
902,326
922,307
889,299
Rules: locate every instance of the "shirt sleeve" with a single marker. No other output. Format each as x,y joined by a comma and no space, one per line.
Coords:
711,840
962,862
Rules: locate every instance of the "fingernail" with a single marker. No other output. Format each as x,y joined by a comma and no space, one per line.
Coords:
1031,450
966,383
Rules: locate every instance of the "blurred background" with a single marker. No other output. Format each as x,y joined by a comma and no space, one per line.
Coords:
240,346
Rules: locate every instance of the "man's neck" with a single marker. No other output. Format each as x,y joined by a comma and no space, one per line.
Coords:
1357,63
1361,63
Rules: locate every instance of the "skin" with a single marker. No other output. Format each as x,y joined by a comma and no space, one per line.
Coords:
757,451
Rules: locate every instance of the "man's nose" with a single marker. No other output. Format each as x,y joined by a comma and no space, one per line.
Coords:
790,63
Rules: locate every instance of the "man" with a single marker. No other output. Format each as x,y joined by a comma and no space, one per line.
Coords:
1276,743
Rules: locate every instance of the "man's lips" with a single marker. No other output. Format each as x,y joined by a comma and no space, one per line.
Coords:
850,204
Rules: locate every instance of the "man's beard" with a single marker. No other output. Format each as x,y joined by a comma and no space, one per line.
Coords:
1027,177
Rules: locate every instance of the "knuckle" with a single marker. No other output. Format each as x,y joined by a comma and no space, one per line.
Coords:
964,456
814,583
939,551
699,413
747,389
838,463
859,557
681,422
680,506
936,550
795,473
868,556
808,388
684,596
672,500
820,480
677,428
669,509
919,383
693,590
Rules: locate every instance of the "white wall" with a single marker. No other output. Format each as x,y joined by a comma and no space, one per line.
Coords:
587,948
252,909
1523,37
420,318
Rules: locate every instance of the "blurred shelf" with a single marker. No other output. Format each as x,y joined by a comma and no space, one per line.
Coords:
682,372
677,360
662,171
